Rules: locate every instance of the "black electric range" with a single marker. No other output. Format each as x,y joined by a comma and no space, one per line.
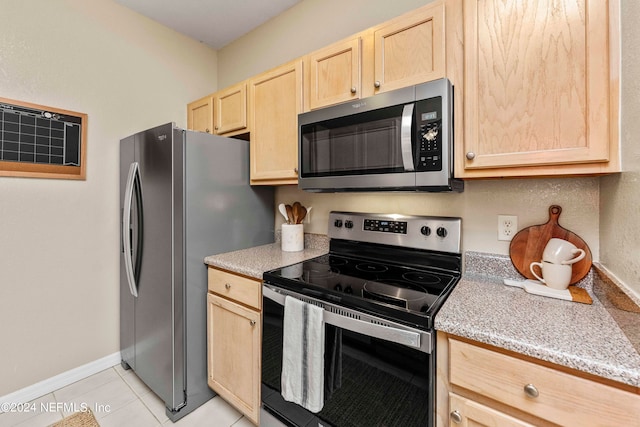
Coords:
397,267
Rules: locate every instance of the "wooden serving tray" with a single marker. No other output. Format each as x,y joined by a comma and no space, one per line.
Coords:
529,243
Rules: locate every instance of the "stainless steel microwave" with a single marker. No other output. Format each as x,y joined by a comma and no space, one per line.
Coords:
400,140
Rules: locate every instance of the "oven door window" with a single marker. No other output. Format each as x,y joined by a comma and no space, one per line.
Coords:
365,143
368,382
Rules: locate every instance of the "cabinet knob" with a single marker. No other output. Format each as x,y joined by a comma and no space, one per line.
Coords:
377,84
295,170
252,322
227,286
353,90
456,417
207,130
216,128
531,390
471,155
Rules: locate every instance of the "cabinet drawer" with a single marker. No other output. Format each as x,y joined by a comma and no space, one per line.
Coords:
237,288
562,398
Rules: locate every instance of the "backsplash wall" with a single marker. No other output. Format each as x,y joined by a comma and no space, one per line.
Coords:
478,206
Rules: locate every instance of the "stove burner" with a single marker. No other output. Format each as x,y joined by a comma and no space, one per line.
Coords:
321,270
421,278
371,268
334,261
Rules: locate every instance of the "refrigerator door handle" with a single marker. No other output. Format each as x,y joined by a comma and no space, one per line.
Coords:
126,227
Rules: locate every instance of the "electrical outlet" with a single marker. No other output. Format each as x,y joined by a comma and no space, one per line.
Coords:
507,226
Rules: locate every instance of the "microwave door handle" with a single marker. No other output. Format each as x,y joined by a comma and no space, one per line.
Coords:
405,137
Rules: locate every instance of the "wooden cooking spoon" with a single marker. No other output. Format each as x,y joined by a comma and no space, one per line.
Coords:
289,210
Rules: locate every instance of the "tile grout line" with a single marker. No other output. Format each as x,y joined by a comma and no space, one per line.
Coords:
139,396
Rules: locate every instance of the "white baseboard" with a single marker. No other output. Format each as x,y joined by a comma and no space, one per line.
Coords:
41,388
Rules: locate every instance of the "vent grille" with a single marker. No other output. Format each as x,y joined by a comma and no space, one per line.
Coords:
344,312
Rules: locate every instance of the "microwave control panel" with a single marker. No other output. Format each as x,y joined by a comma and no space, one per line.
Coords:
429,139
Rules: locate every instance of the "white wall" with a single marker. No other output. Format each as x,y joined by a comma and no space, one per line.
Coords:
59,244
309,25
620,194
312,24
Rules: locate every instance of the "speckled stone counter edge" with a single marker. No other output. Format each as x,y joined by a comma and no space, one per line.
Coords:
618,301
252,262
614,354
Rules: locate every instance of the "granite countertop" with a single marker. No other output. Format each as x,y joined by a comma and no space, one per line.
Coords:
254,261
601,339
590,338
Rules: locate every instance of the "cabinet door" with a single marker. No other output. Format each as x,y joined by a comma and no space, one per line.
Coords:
231,109
410,50
200,115
468,413
537,84
233,350
333,74
275,99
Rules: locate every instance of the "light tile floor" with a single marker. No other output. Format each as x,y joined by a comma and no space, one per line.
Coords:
119,398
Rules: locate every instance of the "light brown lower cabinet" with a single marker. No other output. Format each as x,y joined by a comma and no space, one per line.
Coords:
480,385
234,341
467,413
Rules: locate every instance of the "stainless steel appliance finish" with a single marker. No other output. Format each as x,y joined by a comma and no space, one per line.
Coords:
380,286
184,195
400,141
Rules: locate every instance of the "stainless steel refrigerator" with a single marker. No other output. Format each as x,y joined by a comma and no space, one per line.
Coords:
183,196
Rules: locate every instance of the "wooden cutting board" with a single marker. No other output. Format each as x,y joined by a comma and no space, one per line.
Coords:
529,243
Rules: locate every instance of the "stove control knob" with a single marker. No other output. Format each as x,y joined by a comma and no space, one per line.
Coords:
425,230
338,287
441,232
348,224
337,223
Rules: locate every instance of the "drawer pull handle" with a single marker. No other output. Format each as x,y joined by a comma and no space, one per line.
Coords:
531,390
456,417
252,322
227,286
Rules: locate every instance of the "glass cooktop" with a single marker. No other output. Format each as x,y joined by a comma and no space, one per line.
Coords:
408,294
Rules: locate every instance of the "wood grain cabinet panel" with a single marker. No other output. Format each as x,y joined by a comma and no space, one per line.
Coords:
230,108
540,87
234,340
233,346
468,413
410,49
526,389
333,74
238,288
200,115
401,52
275,100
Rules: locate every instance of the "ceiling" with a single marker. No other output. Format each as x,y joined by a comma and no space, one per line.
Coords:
213,22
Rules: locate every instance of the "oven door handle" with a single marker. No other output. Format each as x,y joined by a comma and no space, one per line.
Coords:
387,333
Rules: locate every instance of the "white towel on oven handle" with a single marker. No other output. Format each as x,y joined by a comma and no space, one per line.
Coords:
302,378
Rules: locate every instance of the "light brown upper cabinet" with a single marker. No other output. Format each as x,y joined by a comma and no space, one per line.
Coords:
539,86
200,114
409,49
332,74
230,110
275,100
401,52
